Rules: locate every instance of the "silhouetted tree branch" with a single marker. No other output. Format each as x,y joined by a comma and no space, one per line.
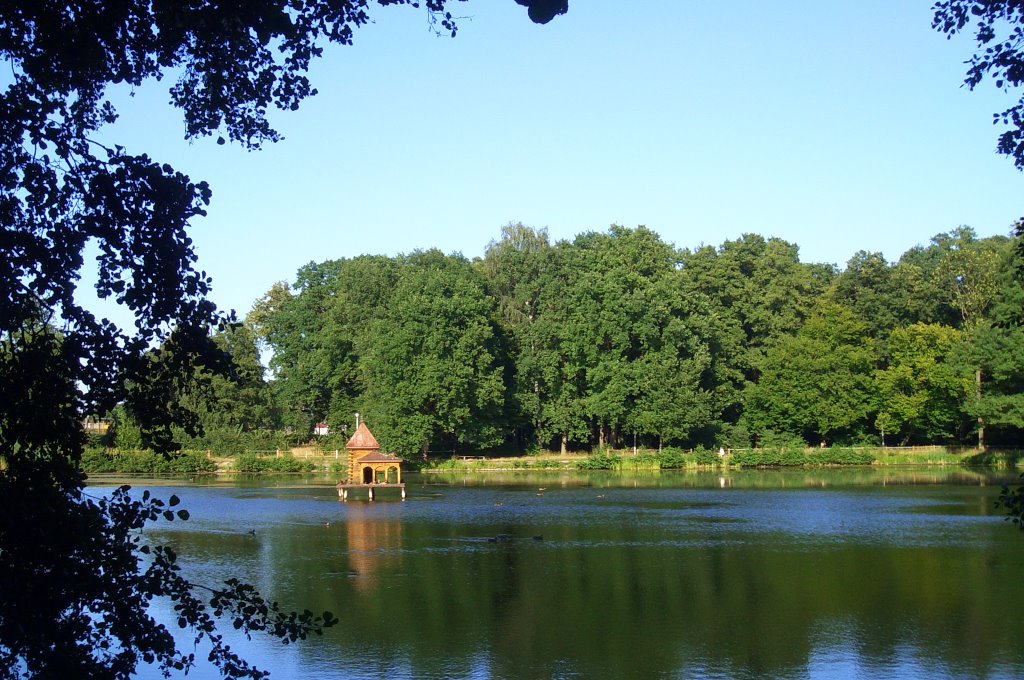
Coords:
76,578
999,33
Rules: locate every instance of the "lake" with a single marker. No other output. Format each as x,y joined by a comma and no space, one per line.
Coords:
786,574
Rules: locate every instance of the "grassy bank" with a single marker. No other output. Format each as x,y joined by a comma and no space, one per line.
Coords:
116,461
676,459
103,461
96,461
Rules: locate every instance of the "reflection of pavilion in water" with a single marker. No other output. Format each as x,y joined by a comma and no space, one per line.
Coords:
368,468
373,545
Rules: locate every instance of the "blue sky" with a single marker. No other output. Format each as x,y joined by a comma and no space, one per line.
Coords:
837,126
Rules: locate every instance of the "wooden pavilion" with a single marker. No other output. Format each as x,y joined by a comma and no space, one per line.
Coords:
368,468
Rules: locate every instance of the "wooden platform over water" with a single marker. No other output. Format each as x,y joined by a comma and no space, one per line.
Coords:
345,488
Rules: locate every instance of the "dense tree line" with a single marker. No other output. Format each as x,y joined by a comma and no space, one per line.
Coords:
618,338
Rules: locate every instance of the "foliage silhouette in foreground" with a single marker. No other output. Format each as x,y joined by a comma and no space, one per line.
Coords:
1012,499
76,578
999,34
91,618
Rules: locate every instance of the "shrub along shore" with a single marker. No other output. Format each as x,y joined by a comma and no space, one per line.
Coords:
101,461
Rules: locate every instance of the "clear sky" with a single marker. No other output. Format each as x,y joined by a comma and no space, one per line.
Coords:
837,126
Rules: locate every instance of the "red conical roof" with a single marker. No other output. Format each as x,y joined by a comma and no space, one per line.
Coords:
363,439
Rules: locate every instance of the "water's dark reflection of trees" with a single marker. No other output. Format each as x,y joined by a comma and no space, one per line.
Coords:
634,601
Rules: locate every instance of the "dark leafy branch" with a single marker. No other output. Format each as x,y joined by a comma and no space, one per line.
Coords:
73,601
999,34
95,550
1012,500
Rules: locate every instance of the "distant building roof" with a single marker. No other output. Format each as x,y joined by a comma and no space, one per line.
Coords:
363,439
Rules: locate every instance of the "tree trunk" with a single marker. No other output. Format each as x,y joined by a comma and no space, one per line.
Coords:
536,414
564,449
426,448
600,436
981,421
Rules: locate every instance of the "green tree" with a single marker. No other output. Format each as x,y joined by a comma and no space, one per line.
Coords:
673,376
759,294
993,355
968,272
762,284
920,391
917,290
362,294
866,286
127,435
614,281
997,353
434,363
234,409
608,342
240,400
556,354
314,329
889,296
294,318
816,383
651,367
516,269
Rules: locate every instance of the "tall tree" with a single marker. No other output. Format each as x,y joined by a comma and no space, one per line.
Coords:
673,375
314,328
236,403
969,275
863,287
816,383
917,290
921,392
614,281
516,268
760,293
293,321
995,354
435,362
885,295
563,351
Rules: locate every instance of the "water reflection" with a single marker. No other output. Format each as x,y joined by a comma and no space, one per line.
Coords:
909,576
374,546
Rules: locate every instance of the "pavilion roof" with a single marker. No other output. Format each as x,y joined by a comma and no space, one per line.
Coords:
363,439
378,457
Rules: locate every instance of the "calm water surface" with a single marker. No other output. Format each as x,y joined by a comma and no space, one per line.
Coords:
849,574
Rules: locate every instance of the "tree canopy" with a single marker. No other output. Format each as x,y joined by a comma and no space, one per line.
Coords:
617,336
